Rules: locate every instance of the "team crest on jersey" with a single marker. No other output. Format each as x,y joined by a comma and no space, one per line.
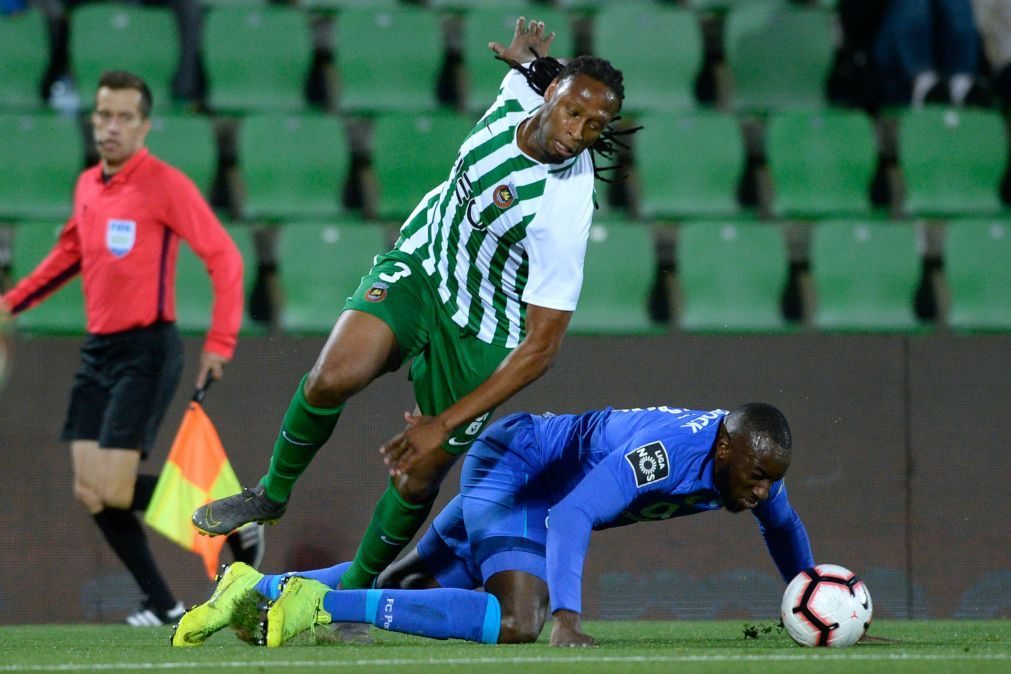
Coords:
120,236
649,463
377,293
504,196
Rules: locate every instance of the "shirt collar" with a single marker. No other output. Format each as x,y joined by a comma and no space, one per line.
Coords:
128,168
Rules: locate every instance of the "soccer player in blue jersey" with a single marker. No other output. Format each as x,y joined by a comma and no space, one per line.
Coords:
532,489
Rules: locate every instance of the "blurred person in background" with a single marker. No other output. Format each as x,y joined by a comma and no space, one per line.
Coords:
130,212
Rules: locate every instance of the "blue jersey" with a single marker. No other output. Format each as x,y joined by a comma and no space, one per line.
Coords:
608,468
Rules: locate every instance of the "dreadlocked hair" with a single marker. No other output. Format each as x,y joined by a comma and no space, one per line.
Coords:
544,70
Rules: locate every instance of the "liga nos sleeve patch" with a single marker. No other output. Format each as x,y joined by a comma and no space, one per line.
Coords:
649,463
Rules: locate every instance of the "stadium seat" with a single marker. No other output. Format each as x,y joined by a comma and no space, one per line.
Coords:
63,311
388,60
619,273
194,292
293,167
732,277
779,55
658,49
142,40
496,24
188,143
42,155
345,5
23,56
257,58
822,163
688,164
321,265
952,160
865,275
977,263
412,154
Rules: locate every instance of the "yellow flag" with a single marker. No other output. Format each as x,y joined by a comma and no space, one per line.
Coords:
196,472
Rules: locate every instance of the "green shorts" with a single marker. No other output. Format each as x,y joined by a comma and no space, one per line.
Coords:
449,361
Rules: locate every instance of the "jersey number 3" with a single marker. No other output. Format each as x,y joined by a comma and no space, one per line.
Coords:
403,271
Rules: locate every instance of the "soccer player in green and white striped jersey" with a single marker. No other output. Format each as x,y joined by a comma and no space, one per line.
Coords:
476,295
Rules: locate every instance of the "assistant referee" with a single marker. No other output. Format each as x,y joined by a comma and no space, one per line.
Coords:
130,212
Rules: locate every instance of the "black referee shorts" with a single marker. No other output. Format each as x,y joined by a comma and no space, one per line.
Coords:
123,387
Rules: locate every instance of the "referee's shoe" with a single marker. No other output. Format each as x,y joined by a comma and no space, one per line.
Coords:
224,516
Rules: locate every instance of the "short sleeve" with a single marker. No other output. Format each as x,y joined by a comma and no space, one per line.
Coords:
556,239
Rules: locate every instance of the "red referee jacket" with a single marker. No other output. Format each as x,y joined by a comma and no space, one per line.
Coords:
123,238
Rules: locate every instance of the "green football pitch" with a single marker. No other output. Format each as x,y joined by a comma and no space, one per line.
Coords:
637,647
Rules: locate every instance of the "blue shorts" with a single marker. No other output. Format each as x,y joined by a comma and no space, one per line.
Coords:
499,520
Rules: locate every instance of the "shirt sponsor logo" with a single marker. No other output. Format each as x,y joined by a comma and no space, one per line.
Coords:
698,423
120,236
649,463
377,293
503,196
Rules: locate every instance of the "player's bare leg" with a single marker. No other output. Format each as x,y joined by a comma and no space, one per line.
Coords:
524,601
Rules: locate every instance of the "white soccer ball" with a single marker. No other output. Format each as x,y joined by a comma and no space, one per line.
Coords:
827,605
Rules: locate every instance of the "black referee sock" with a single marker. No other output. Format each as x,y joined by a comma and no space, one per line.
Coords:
122,530
143,491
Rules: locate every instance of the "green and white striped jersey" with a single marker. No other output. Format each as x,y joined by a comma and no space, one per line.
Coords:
504,230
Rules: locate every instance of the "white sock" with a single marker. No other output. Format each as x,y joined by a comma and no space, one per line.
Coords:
923,83
959,86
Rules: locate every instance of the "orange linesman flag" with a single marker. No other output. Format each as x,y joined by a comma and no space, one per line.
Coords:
196,472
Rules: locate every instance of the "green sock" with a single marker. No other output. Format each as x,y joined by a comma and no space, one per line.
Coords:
303,432
393,525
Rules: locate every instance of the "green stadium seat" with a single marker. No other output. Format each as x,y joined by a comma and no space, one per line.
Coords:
388,60
412,154
496,24
194,292
779,55
732,277
477,5
63,311
658,49
822,163
118,36
977,263
293,166
865,276
345,5
188,143
688,164
23,56
320,266
41,158
257,58
952,160
618,276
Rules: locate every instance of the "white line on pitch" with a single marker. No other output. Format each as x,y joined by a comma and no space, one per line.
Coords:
522,660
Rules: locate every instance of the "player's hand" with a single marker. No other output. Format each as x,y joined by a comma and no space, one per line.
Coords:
566,630
422,436
212,366
528,36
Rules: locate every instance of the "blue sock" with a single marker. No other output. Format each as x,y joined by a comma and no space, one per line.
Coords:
437,614
270,585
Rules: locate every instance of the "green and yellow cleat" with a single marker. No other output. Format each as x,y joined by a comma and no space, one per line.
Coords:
299,608
200,622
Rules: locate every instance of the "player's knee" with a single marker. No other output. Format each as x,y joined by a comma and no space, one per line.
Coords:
117,495
519,627
88,497
333,386
418,490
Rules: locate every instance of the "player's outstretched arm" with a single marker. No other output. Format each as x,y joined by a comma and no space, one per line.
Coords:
566,630
528,39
